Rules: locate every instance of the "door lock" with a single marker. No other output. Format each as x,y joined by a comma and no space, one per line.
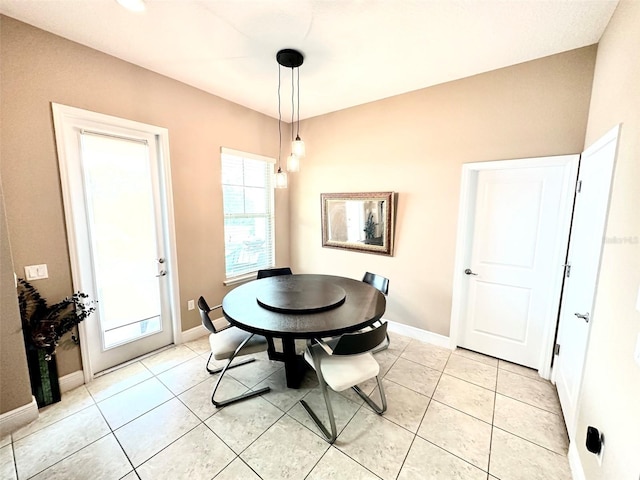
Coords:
584,317
469,272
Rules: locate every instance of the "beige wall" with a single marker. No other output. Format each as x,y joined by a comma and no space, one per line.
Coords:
415,144
14,381
610,397
39,68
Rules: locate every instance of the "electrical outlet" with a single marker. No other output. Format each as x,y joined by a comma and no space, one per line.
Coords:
191,305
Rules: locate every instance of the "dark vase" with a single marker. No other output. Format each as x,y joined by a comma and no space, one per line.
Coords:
44,376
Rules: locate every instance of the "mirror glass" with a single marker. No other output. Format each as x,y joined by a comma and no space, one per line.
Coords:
358,221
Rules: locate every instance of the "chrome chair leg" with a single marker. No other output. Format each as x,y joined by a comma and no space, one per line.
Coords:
219,369
367,398
238,398
329,437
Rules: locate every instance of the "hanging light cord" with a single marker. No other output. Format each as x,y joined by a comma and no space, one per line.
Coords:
298,131
292,104
279,122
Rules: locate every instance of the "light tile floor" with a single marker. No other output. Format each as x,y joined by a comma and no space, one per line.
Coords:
452,415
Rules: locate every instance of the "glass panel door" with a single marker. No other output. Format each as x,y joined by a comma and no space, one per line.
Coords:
116,188
123,237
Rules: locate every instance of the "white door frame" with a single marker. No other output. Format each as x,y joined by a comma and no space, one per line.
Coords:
465,233
64,113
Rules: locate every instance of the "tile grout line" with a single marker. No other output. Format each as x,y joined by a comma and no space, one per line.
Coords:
493,419
531,442
415,435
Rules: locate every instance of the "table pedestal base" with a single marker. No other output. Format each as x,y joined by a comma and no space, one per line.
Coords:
294,365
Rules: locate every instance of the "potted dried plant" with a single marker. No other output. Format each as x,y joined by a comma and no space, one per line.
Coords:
43,326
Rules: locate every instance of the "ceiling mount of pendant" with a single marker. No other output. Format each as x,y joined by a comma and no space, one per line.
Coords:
289,58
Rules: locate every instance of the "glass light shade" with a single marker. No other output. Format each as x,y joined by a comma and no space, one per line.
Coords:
281,179
293,163
133,5
297,147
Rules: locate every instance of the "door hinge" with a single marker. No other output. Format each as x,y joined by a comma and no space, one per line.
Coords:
556,349
567,269
579,186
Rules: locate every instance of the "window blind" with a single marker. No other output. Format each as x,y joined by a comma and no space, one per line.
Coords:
247,196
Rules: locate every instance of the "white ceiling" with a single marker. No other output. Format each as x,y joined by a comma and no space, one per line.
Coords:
356,51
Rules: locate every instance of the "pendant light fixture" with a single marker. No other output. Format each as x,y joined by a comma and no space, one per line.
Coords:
297,146
280,176
292,59
293,162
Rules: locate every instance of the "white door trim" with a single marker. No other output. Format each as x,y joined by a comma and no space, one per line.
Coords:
64,113
465,233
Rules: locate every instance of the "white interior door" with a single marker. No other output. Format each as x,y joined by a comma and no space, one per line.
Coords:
516,235
115,204
583,260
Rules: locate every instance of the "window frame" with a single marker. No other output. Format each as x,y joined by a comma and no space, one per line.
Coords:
269,215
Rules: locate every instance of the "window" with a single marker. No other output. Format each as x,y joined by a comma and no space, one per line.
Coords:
247,197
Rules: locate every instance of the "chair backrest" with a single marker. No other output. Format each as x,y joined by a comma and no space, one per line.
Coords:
274,272
360,342
204,309
377,281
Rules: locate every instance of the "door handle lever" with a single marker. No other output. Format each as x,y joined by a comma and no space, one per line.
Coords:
162,273
469,272
584,317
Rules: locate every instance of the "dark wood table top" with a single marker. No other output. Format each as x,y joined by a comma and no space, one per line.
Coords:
303,306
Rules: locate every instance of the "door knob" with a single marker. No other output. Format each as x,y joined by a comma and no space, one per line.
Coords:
469,272
584,317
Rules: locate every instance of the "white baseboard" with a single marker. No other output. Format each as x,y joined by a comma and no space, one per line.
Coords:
418,334
193,334
71,381
577,473
18,417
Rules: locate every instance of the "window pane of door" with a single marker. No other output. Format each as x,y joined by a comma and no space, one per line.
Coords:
120,209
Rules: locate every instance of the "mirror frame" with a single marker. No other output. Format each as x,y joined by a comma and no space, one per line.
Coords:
389,222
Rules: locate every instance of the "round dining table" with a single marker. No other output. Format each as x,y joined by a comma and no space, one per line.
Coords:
302,306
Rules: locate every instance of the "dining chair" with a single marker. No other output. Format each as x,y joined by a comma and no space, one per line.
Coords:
273,272
382,284
229,342
341,363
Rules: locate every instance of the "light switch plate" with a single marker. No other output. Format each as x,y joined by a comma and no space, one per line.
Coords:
36,272
191,305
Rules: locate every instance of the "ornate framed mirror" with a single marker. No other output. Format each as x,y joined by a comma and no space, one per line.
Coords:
362,222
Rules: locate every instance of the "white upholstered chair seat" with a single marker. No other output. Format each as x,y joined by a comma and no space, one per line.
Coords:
344,371
225,342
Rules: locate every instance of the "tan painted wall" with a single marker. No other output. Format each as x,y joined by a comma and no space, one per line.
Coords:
39,68
415,144
610,397
14,378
